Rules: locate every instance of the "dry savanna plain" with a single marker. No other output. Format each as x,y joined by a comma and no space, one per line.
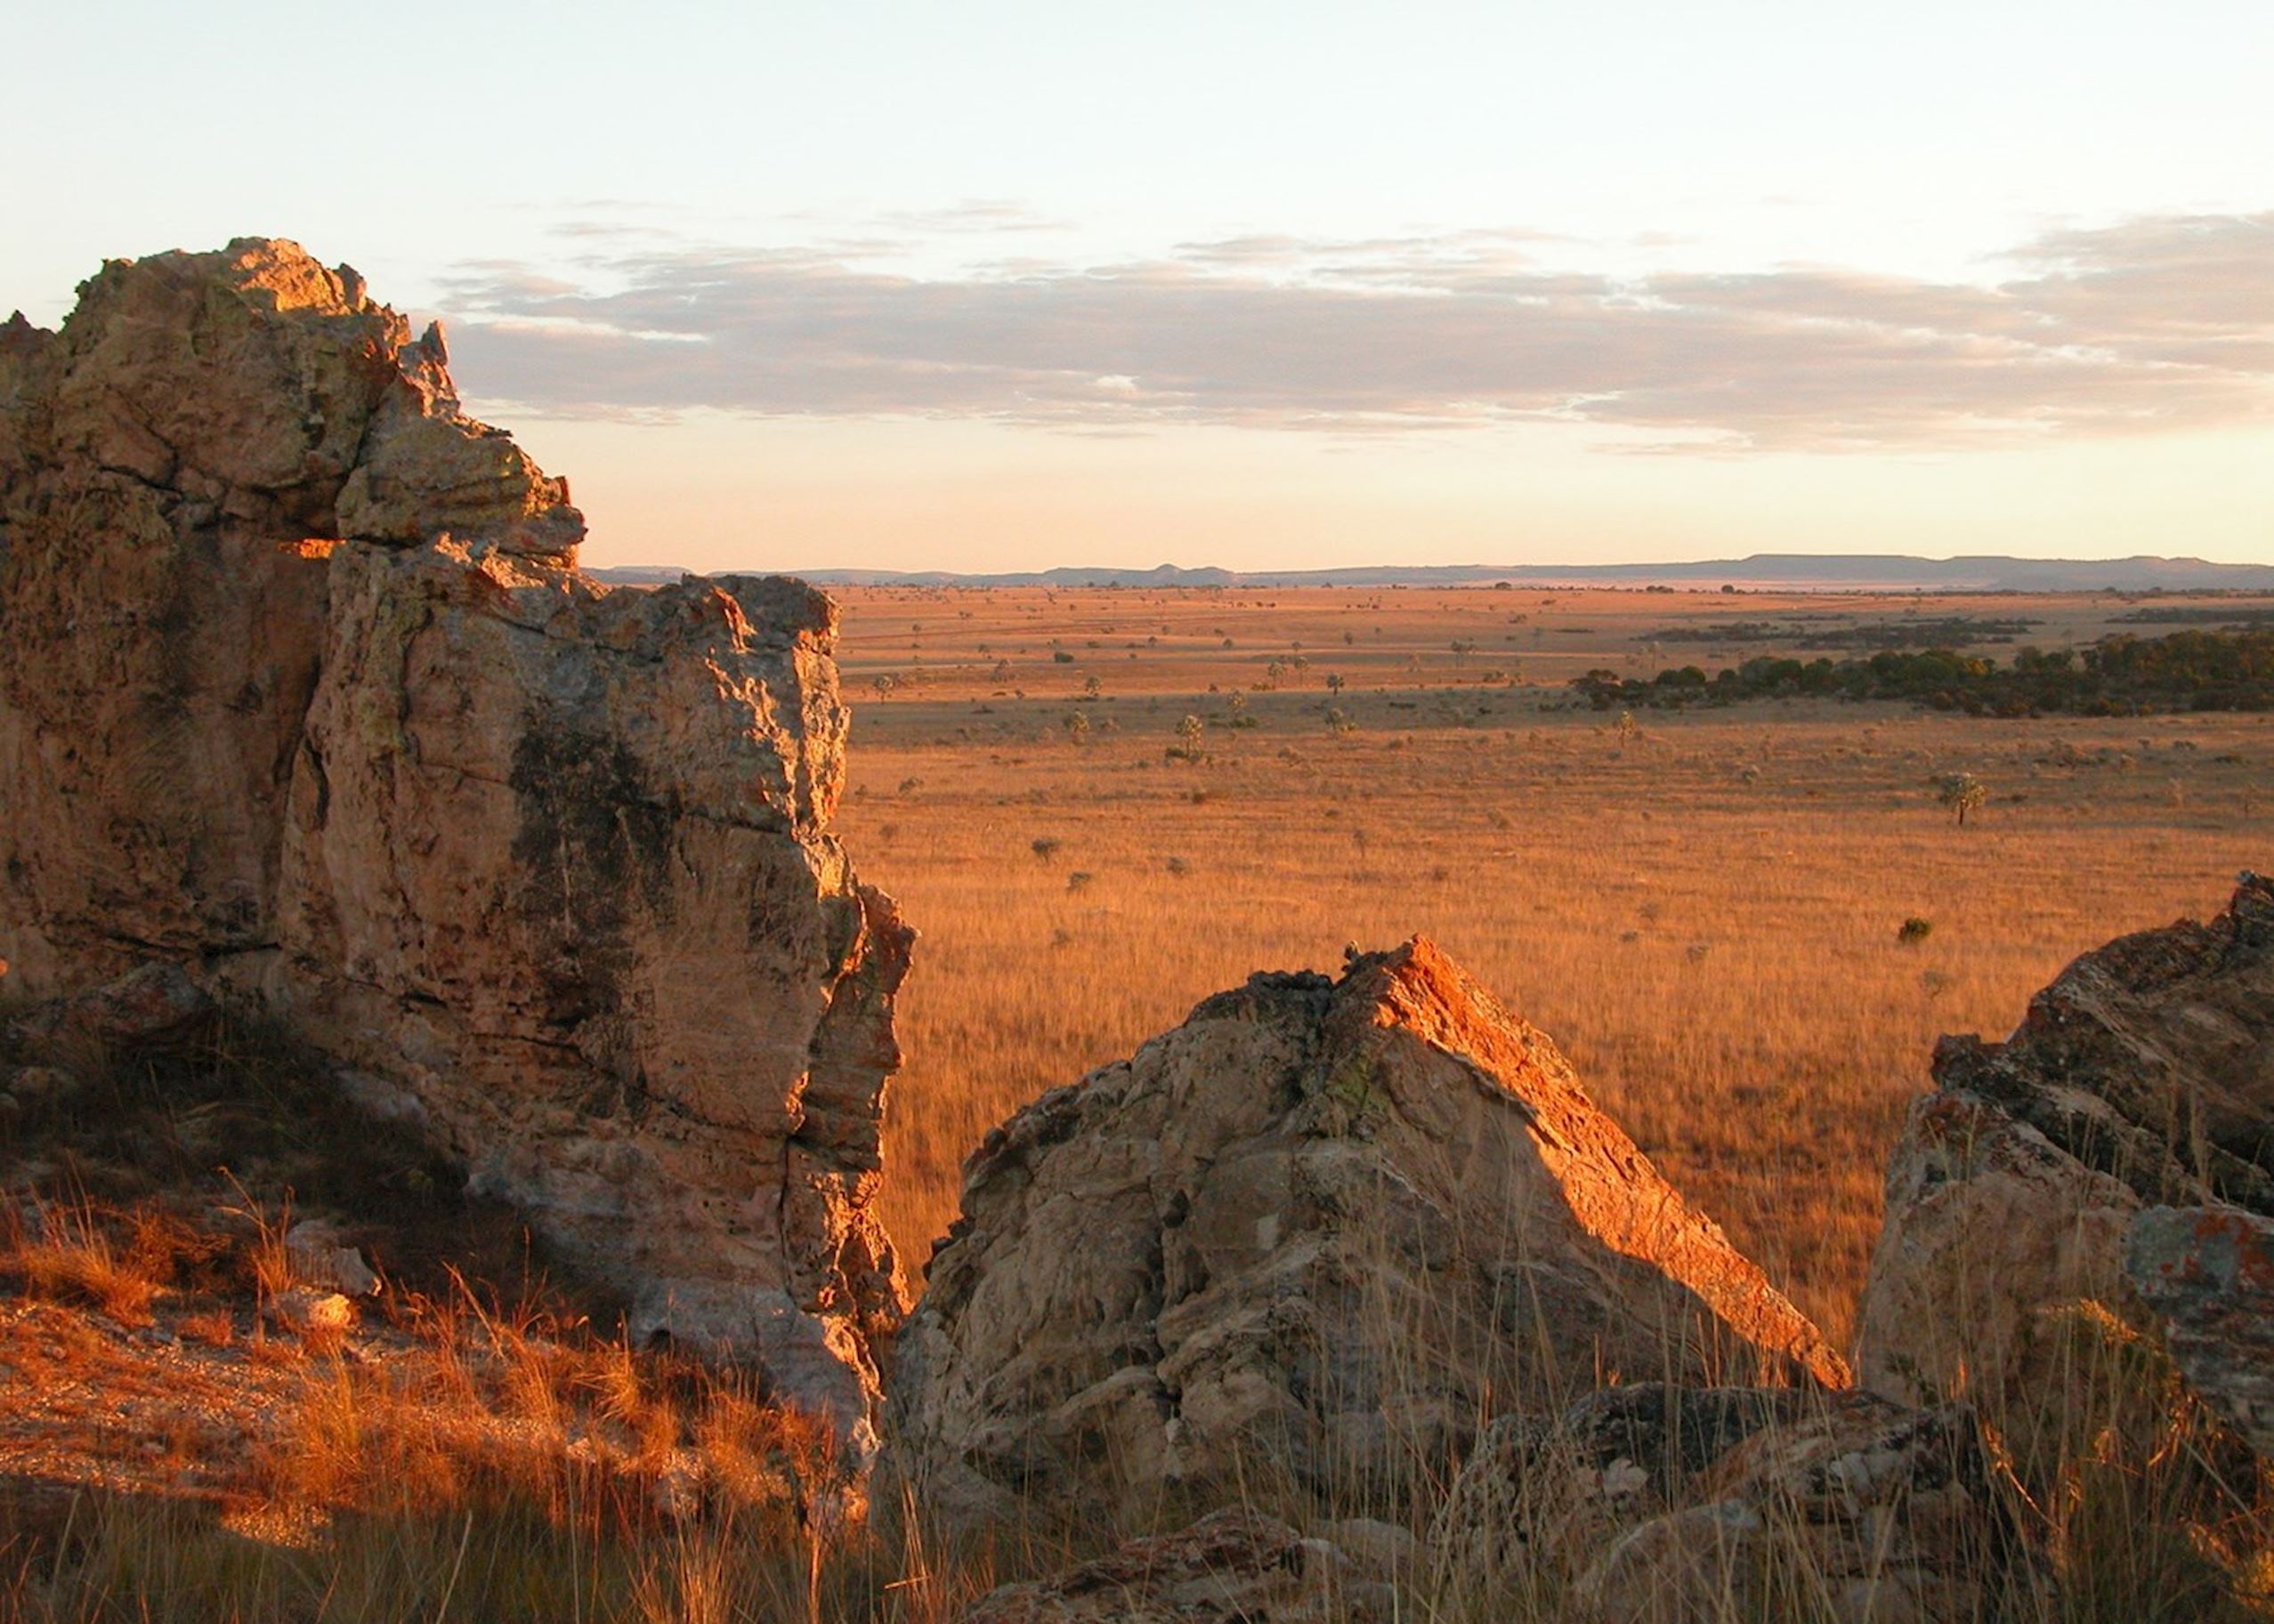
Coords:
1705,907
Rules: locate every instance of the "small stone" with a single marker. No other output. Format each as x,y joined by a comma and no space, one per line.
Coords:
310,1313
1382,1549
153,1007
319,1258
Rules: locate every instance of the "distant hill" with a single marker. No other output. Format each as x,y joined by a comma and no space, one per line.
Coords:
1790,571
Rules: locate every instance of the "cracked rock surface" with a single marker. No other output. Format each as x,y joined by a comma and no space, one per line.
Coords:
301,692
2142,1077
1325,1224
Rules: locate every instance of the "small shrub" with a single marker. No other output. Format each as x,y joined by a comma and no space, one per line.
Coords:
1915,929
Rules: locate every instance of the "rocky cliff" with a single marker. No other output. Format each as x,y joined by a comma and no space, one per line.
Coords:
300,689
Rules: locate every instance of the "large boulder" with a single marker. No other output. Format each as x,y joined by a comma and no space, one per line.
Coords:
1325,1225
1650,1504
2143,1075
302,695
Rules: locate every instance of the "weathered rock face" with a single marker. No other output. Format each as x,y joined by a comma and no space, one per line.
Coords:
1650,1503
556,869
1323,1224
300,690
2207,1275
196,411
2144,1074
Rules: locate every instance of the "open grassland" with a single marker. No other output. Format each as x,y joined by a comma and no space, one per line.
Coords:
1705,909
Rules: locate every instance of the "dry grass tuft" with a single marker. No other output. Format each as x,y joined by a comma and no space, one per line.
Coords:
79,1253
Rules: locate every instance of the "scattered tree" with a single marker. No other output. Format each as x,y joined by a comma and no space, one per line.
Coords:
1962,793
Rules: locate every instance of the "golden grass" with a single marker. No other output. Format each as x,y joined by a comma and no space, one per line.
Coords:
78,1252
1706,917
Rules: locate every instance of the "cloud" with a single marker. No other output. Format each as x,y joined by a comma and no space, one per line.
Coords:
2152,324
972,215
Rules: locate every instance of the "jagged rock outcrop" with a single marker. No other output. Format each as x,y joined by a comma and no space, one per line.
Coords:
1231,1567
197,416
2143,1075
1651,1503
1325,1224
302,694
2207,1275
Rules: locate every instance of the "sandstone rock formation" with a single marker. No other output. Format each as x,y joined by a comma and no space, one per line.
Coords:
302,694
1231,1567
197,416
1650,1504
1323,1223
2144,1074
2207,1275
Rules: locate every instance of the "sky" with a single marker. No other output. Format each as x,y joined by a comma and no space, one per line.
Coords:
1003,285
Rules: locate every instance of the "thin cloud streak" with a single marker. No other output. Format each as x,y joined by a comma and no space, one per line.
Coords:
2151,325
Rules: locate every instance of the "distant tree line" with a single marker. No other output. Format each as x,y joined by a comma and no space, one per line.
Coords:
2119,676
1819,632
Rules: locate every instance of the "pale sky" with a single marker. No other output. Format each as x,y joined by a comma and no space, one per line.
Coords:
997,286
